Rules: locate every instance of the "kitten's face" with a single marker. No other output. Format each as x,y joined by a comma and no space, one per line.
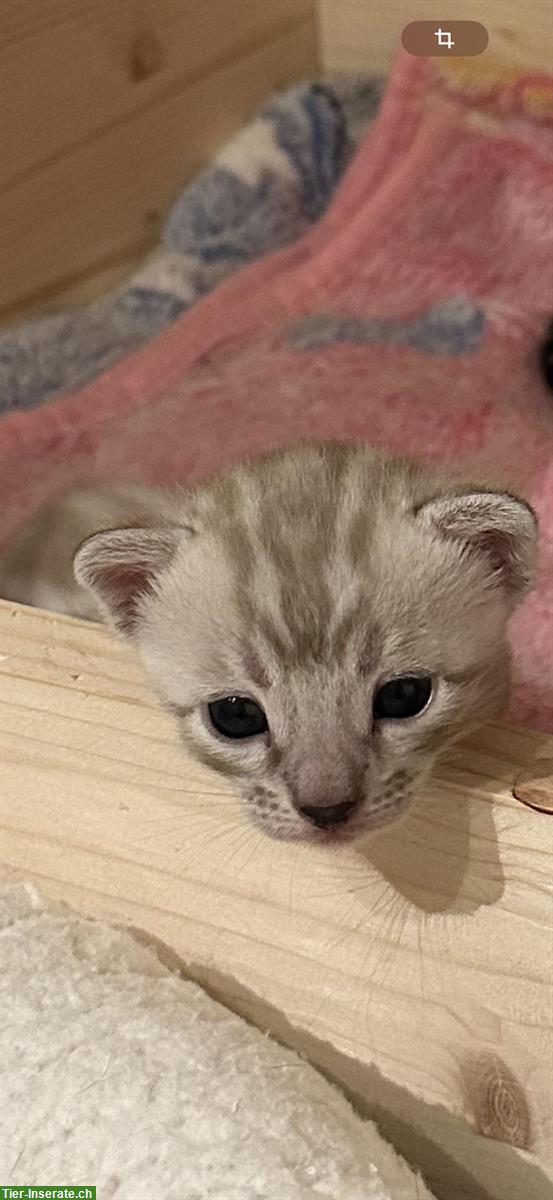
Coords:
310,718
322,655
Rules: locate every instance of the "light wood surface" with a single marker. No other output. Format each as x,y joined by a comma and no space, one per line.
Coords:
108,106
416,968
364,34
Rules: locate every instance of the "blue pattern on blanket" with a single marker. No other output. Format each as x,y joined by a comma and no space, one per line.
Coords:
452,328
263,190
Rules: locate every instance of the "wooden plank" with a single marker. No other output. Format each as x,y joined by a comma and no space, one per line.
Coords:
84,289
71,68
99,196
415,968
365,34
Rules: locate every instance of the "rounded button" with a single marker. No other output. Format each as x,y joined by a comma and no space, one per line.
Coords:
444,39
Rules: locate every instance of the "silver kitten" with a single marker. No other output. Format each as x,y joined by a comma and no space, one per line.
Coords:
324,622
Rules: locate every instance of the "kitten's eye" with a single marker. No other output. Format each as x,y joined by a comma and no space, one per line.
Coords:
402,697
237,717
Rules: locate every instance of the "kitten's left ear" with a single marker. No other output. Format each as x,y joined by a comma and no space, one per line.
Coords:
121,566
498,526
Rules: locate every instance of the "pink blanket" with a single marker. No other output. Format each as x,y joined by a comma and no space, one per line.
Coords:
410,316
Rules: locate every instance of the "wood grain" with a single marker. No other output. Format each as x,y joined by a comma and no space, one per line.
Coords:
107,108
365,34
415,968
83,289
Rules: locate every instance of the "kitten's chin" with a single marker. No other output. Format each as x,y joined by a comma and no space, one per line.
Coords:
360,826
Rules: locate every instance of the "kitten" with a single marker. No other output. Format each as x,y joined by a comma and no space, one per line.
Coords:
323,622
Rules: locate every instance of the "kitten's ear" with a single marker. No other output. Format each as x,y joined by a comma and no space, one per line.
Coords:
499,526
120,566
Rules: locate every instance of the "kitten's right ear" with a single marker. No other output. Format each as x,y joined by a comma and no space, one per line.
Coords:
120,567
500,528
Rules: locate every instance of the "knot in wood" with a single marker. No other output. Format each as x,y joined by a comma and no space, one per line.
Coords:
498,1100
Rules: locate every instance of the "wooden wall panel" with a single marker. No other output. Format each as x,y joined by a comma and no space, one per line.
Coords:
360,34
109,105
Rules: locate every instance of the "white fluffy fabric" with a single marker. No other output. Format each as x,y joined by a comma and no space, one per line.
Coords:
118,1073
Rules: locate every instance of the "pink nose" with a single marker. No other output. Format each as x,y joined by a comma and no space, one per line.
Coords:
328,815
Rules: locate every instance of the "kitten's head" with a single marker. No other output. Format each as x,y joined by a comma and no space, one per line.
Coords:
324,623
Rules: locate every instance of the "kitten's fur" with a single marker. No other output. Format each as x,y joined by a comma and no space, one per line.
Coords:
304,579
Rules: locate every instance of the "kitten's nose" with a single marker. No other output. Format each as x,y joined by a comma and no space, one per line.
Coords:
325,816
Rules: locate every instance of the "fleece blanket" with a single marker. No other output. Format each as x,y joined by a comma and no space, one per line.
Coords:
411,315
119,1074
262,191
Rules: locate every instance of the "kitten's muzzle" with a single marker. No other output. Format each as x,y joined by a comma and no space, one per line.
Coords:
328,816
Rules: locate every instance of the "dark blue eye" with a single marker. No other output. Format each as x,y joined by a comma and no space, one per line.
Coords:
402,697
237,717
